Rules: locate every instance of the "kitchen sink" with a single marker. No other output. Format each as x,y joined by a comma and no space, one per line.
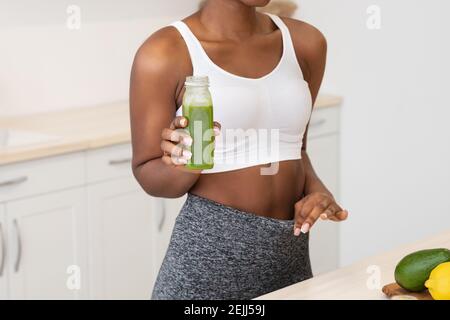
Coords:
12,138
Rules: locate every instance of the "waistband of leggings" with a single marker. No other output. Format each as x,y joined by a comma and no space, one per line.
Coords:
214,205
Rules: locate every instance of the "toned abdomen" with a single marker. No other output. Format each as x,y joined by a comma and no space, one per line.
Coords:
246,189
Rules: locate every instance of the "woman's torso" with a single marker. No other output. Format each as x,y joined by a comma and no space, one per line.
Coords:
272,195
246,189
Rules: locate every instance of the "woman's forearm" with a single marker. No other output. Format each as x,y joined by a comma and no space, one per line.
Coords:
313,183
160,180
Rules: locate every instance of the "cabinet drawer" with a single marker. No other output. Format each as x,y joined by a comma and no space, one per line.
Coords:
324,121
108,163
41,176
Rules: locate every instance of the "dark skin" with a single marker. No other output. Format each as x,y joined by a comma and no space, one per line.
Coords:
248,44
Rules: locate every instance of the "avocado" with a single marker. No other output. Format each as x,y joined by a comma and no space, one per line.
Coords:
414,269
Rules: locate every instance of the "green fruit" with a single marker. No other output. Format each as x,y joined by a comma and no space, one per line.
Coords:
414,269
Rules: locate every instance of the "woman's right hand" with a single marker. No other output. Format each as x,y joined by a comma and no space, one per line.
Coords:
175,141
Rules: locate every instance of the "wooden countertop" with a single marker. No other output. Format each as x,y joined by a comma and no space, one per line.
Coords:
81,129
351,282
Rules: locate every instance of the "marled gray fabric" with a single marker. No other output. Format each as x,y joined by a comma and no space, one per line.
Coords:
219,252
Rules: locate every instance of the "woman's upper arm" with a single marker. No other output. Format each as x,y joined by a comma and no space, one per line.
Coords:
153,89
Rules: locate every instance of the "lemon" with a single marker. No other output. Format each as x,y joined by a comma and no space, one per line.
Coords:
439,282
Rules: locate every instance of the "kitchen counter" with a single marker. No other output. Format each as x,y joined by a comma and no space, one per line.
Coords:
351,282
81,129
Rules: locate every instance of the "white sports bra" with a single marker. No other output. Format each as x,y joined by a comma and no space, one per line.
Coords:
264,119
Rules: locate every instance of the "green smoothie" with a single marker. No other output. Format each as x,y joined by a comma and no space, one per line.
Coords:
201,130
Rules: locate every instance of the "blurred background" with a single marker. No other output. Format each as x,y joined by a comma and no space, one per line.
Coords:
64,140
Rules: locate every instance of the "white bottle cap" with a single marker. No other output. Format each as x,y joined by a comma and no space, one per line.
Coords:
197,81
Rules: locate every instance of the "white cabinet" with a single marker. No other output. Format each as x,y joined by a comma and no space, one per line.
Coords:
108,163
27,179
3,271
120,235
129,231
163,229
47,246
323,150
79,226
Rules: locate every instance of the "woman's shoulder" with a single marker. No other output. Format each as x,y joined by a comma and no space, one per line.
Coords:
164,49
306,37
310,45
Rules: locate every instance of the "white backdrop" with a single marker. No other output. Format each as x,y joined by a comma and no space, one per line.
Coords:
395,156
46,66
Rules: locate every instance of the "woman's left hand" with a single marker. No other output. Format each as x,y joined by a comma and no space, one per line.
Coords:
313,206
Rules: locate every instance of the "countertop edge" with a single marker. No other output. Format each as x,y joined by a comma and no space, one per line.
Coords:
61,148
66,145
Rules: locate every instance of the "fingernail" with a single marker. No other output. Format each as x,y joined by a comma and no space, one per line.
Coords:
305,228
297,232
187,141
323,216
187,154
183,122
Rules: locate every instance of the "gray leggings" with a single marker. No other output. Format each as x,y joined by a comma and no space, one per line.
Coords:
219,252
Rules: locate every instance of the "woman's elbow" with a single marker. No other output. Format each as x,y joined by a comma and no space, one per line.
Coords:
155,187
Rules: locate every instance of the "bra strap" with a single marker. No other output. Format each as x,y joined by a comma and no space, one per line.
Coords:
289,49
194,47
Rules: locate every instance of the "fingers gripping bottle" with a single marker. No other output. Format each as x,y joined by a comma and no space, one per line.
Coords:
198,109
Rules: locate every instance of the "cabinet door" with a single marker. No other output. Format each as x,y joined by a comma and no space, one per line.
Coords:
121,215
324,237
47,256
164,227
3,271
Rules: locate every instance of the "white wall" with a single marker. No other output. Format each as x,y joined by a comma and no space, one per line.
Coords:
46,66
395,158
